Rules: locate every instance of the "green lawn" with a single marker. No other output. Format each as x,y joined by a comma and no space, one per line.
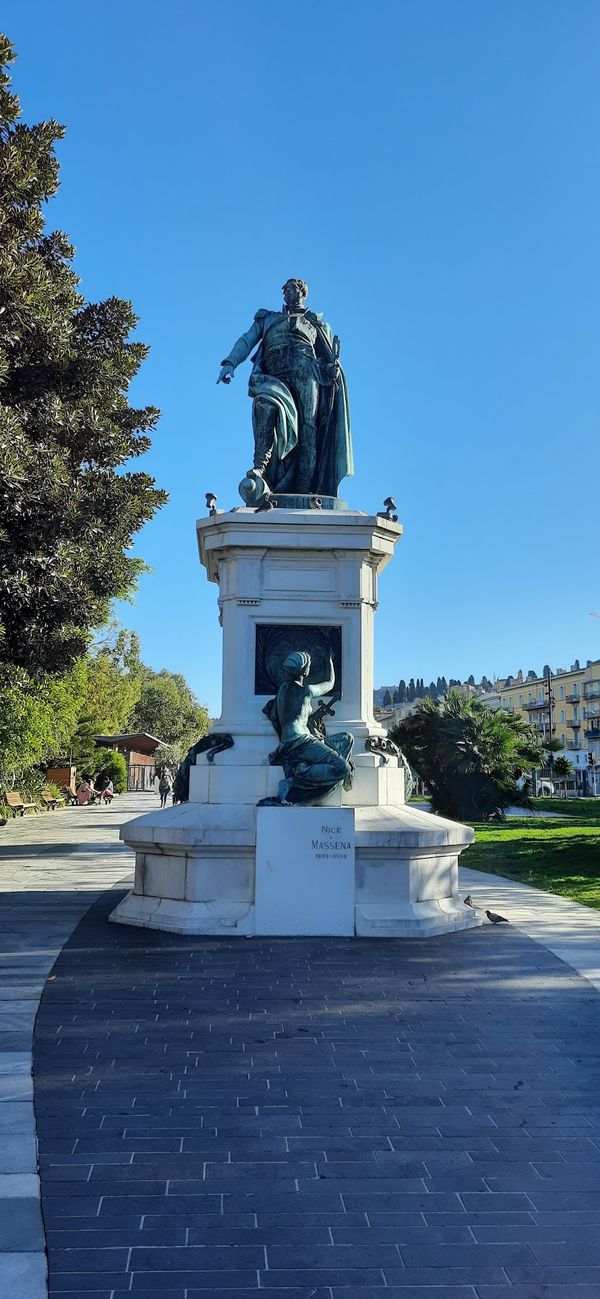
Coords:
559,856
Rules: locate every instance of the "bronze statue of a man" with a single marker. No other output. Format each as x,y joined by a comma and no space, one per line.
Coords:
300,412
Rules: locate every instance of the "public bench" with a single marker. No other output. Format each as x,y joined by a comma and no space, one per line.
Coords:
15,802
50,801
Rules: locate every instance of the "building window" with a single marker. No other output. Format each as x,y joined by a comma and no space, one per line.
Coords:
562,692
562,739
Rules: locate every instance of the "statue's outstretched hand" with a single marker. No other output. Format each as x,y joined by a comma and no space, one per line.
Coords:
226,374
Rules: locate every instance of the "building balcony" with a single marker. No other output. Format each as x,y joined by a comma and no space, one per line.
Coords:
592,691
593,731
536,705
574,724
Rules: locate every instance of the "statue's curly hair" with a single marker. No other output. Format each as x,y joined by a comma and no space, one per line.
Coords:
302,285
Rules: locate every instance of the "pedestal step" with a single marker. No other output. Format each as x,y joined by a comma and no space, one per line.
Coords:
201,869
219,782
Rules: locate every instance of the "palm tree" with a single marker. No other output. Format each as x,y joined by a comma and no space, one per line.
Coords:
562,768
469,755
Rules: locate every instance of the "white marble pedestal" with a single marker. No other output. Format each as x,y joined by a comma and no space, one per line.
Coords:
302,579
304,882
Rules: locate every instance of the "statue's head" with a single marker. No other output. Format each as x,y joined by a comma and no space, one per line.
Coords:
295,293
297,664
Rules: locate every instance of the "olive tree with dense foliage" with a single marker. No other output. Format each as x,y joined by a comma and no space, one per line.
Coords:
470,756
68,507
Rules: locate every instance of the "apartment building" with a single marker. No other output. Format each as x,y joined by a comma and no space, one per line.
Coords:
574,708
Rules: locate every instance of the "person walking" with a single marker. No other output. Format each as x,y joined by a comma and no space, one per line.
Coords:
165,786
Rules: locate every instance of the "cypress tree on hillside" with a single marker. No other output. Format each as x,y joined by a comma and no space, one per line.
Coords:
68,509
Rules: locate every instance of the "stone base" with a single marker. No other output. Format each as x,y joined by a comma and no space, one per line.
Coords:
308,501
304,882
196,871
414,919
211,918
227,780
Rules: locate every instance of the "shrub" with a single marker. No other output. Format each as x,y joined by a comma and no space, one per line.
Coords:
114,768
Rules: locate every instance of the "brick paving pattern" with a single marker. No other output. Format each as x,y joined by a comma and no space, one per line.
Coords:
317,1119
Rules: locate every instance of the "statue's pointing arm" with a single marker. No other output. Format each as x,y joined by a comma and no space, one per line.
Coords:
242,349
323,687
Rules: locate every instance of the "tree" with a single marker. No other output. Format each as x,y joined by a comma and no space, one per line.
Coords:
469,755
113,767
387,699
562,768
68,512
37,718
169,710
111,686
401,691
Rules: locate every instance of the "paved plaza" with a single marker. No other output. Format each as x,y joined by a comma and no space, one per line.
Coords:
311,1118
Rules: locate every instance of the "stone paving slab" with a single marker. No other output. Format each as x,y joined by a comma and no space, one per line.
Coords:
52,868
332,1118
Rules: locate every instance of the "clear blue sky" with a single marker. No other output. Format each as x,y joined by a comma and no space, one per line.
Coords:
431,169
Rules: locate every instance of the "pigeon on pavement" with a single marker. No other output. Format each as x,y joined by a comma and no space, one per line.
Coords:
468,901
496,919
